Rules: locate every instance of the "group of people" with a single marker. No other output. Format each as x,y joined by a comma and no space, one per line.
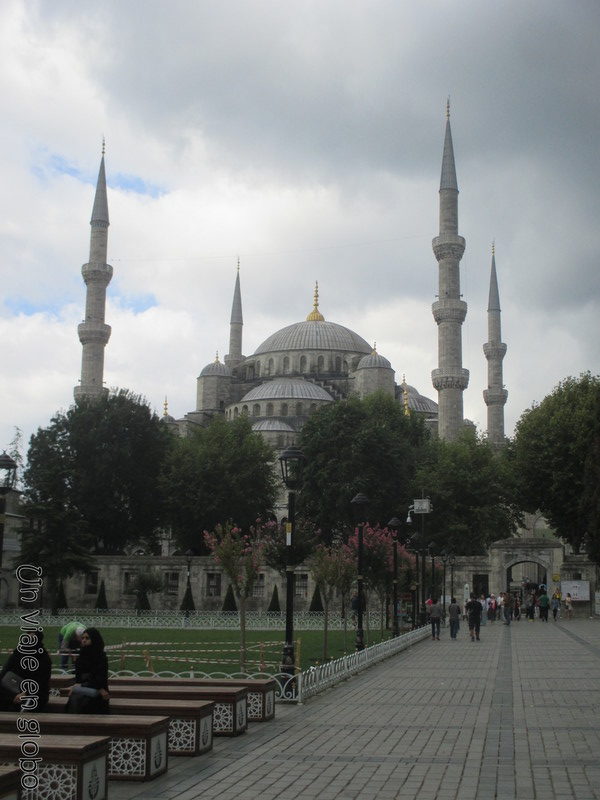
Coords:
31,666
506,607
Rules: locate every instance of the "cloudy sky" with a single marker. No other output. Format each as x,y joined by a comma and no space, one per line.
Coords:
304,139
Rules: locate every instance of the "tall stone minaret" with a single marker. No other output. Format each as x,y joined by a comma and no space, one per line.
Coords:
449,311
234,356
495,350
94,333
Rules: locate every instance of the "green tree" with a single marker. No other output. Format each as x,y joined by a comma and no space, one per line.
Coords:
221,473
368,446
332,568
101,601
99,464
556,458
146,582
472,490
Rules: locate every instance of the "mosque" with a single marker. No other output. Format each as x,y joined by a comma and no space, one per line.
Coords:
311,363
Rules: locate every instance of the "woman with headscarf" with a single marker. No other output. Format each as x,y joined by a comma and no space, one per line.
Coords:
90,695
31,663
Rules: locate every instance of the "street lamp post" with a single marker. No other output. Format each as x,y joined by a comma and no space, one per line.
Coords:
359,503
394,524
291,460
451,561
445,556
8,477
431,551
421,506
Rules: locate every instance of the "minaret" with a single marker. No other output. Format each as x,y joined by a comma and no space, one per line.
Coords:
495,350
449,311
93,331
234,356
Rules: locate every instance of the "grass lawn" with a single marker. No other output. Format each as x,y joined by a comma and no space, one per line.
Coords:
185,649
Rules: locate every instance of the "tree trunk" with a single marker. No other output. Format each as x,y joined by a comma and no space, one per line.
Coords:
325,626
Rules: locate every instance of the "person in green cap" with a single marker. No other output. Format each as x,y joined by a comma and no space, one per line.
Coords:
69,640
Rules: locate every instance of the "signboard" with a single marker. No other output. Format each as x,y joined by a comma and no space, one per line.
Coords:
579,590
422,505
597,596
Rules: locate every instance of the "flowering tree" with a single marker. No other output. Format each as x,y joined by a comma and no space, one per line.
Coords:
241,557
332,568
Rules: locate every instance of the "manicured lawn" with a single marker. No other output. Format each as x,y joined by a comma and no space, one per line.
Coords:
181,650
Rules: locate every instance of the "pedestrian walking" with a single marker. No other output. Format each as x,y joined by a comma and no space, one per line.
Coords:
507,607
529,606
555,604
484,607
517,608
569,605
454,613
491,607
473,609
544,604
435,617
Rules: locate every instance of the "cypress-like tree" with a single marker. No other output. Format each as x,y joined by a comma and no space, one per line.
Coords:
187,604
61,598
316,604
274,604
229,602
101,602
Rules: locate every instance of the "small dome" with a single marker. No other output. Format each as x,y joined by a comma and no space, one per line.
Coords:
287,389
216,368
272,424
374,361
418,402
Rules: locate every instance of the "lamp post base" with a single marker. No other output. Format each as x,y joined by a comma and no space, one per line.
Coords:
360,639
288,660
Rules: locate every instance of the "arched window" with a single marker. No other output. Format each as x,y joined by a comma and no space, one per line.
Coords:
284,409
257,369
338,364
320,364
269,409
245,410
270,369
235,412
313,408
302,363
286,365
256,410
298,409
345,367
279,444
250,372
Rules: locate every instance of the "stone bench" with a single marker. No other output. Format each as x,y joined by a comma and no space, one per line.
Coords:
138,744
58,682
190,722
10,783
71,768
261,692
229,715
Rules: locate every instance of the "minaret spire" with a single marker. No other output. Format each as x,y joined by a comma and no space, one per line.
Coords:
236,325
495,395
449,311
93,332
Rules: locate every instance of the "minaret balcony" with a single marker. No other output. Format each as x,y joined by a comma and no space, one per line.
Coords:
96,272
448,245
450,379
92,332
449,310
495,397
494,351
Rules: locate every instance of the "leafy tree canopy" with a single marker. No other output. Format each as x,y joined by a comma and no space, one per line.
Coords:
218,474
472,492
95,468
368,446
556,456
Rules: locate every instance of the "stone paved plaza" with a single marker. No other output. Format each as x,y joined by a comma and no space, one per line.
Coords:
513,717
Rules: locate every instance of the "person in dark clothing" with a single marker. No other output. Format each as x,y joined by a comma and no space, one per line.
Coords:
473,609
90,695
32,666
454,617
435,616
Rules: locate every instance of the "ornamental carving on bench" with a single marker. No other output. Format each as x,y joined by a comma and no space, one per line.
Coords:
127,756
182,735
56,782
206,732
254,705
223,717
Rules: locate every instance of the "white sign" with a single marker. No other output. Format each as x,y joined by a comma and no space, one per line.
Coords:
579,590
422,505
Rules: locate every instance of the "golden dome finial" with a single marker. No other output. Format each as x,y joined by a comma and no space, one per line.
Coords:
374,351
165,407
217,358
493,247
315,315
448,107
103,145
405,396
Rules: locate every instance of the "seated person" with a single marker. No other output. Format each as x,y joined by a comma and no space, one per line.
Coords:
34,666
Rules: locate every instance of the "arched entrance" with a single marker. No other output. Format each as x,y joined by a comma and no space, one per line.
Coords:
515,562
525,576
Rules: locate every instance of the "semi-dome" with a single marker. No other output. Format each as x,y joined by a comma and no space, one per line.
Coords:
314,334
418,402
374,361
272,424
287,389
216,368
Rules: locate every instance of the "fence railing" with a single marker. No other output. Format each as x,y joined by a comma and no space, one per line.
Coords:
217,620
294,689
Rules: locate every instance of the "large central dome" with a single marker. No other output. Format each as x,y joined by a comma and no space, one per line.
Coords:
314,335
